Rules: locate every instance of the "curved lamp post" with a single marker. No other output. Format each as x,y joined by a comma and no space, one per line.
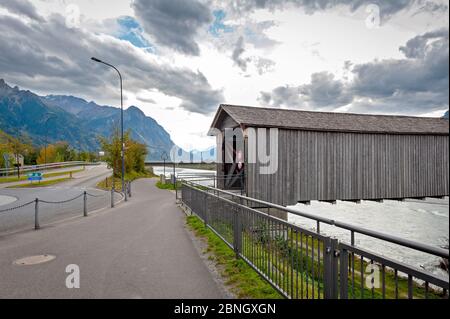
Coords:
121,122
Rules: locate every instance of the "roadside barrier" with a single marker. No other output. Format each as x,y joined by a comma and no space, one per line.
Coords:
85,195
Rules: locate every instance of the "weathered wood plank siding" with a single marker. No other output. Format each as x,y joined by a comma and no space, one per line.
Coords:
331,166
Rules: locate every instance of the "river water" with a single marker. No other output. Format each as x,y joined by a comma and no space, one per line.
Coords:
425,222
421,221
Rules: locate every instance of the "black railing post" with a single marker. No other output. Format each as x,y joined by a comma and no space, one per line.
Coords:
205,210
112,195
237,244
330,268
335,265
327,269
84,204
182,193
175,186
36,214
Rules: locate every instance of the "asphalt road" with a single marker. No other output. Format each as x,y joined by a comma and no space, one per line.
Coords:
23,218
139,249
49,171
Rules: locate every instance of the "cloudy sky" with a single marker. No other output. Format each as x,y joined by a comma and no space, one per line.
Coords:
181,58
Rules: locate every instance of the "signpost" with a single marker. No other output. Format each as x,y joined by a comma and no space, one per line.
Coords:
35,177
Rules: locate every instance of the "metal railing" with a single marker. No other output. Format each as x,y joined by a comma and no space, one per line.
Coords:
212,179
32,168
302,263
85,195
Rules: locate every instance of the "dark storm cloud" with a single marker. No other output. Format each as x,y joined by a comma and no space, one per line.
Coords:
322,92
21,7
419,83
50,57
425,69
281,96
174,23
417,46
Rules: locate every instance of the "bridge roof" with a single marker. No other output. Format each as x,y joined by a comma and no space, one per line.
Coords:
248,116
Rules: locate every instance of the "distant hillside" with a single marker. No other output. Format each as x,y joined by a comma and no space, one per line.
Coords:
445,115
24,113
102,118
75,120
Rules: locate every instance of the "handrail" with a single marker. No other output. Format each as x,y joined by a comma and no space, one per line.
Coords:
356,229
44,166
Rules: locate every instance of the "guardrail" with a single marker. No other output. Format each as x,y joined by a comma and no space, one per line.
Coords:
214,179
303,263
31,168
85,195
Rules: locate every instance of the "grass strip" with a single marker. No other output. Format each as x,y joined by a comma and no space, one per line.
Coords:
169,186
106,183
42,183
245,282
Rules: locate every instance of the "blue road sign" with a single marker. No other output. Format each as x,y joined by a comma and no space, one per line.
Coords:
35,176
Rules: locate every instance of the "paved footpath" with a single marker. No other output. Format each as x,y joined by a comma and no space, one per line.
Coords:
139,249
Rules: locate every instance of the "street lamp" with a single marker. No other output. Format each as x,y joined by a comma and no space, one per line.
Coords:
50,115
121,121
164,157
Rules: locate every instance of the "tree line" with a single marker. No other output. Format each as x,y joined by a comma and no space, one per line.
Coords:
61,151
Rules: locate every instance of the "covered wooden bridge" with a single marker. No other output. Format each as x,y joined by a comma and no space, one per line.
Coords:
336,156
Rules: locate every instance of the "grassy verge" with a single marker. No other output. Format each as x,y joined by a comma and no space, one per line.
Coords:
24,177
108,182
12,179
245,281
169,186
42,183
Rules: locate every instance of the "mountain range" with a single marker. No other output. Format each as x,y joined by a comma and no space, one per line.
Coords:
75,120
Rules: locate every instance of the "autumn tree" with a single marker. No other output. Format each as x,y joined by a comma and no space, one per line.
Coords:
3,147
47,155
135,153
17,147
